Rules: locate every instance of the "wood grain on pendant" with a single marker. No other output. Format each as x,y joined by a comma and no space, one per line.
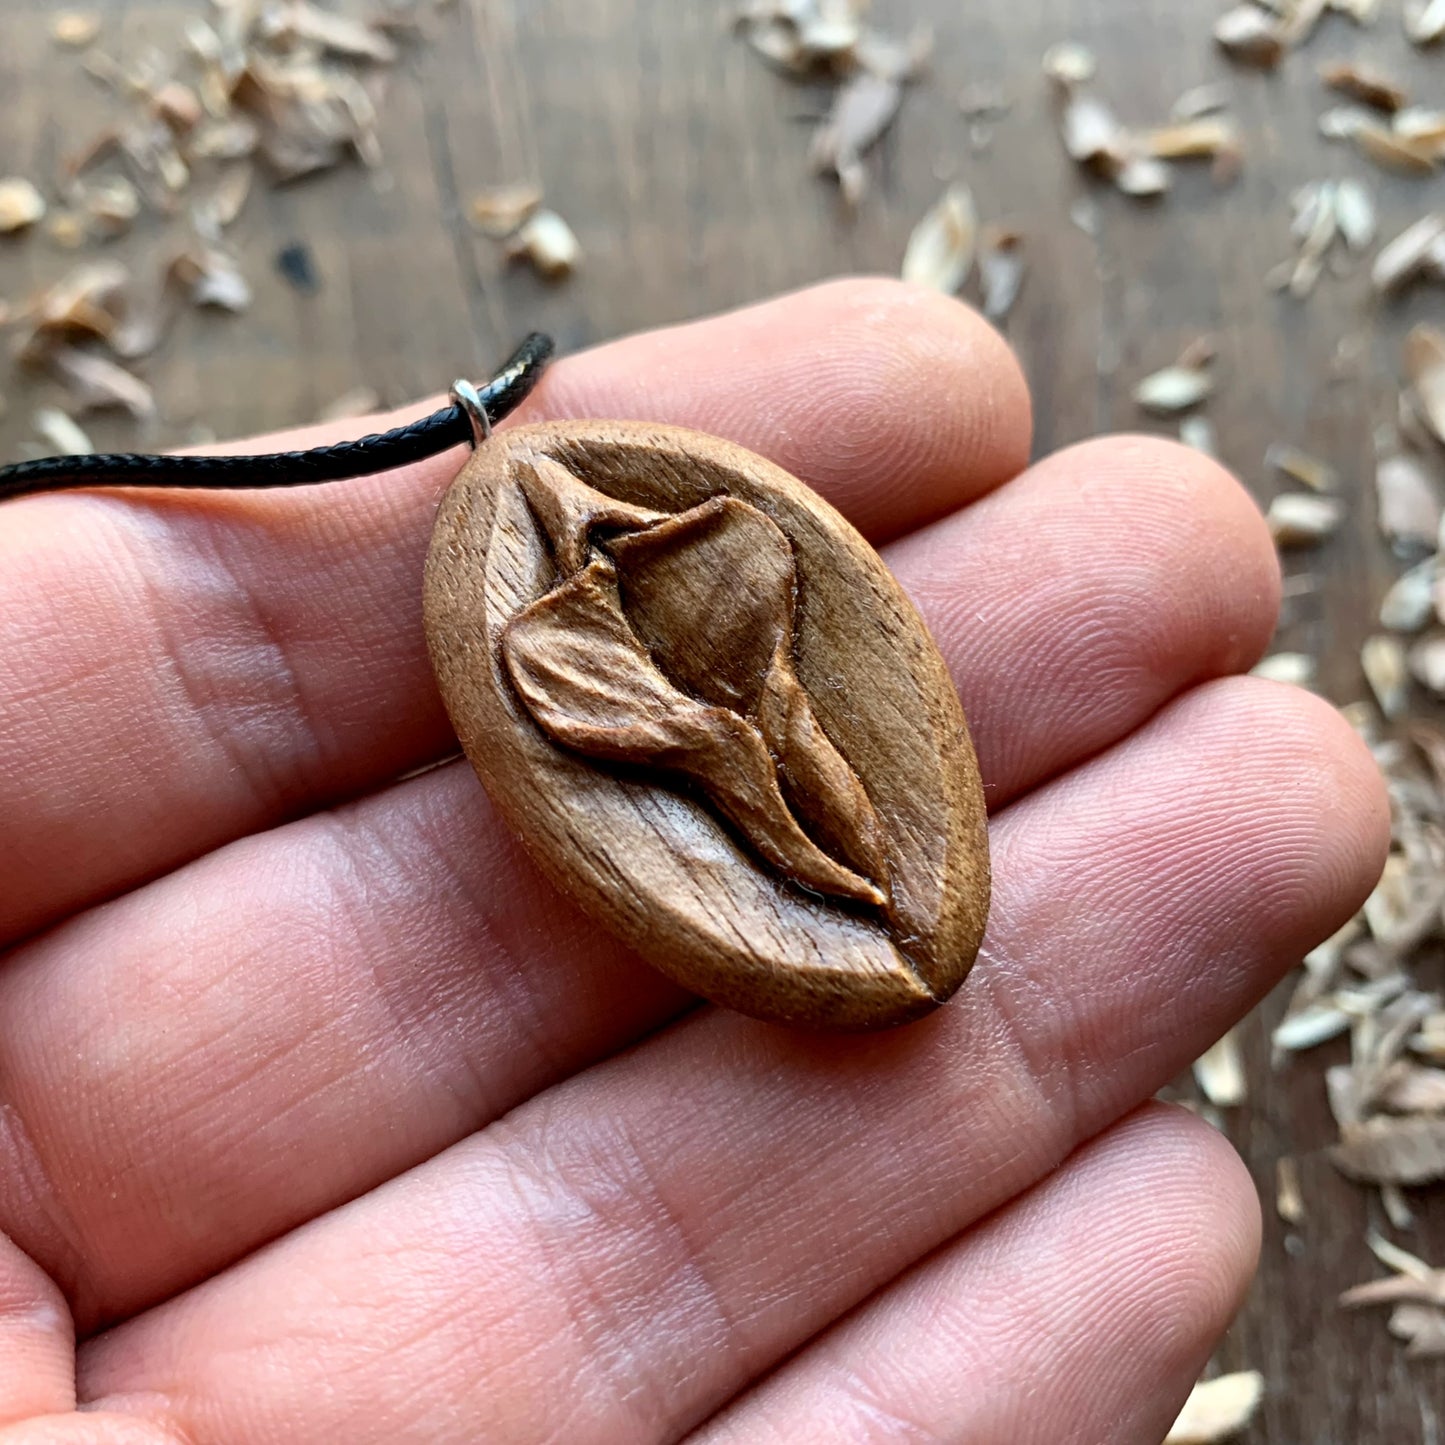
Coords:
710,712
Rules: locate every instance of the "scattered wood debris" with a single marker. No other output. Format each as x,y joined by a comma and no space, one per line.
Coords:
1303,519
1251,35
548,242
1299,466
75,29
1296,668
1289,1200
500,211
21,204
808,38
62,433
1365,83
1424,21
1218,1409
1002,268
943,245
1220,1073
1328,217
1135,160
1178,388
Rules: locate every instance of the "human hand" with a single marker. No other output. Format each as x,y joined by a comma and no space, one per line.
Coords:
323,1119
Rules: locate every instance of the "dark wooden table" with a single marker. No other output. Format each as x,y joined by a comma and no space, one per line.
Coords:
681,161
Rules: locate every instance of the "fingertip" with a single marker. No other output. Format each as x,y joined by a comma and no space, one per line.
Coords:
896,402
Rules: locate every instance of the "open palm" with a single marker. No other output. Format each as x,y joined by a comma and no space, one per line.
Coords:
322,1119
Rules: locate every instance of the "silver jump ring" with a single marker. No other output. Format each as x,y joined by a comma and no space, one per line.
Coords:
464,395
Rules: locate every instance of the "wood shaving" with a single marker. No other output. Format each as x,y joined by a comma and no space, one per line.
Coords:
1425,372
1198,432
1069,64
1382,658
1002,268
1419,250
75,29
1218,1409
1208,136
1410,603
1394,152
1289,1202
943,245
21,205
1219,1072
1387,1150
1201,100
1424,21
549,243
1174,389
501,210
96,383
1355,214
1427,663
1363,82
1303,519
862,111
1251,36
1408,503
1299,466
62,433
1296,668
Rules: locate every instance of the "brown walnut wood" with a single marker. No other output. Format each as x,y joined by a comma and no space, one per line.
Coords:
710,712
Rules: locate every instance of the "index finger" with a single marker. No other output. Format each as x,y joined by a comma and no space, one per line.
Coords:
180,670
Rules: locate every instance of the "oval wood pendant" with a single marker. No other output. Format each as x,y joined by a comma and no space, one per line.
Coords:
710,712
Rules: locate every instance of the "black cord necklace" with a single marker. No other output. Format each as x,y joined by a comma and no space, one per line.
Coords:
468,419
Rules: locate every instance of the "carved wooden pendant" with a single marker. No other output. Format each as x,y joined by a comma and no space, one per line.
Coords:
714,718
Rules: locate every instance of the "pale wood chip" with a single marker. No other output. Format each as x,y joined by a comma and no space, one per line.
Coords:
863,109
549,243
1383,660
1296,668
75,29
1069,64
1092,133
1422,1327
1394,152
943,245
1420,123
21,204
1219,1071
1207,136
1424,21
1300,466
1410,603
1289,1201
1218,1409
1344,122
1312,1026
62,433
96,383
1002,267
1405,257
1355,214
500,210
1425,371
1386,1150
297,21
1174,389
1142,176
1198,432
1413,1089
1364,82
1303,519
1201,100
1362,12
1408,502
1251,36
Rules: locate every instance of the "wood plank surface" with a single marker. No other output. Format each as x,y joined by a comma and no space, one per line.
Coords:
680,159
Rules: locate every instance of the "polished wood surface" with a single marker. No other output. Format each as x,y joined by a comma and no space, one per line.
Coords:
681,161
